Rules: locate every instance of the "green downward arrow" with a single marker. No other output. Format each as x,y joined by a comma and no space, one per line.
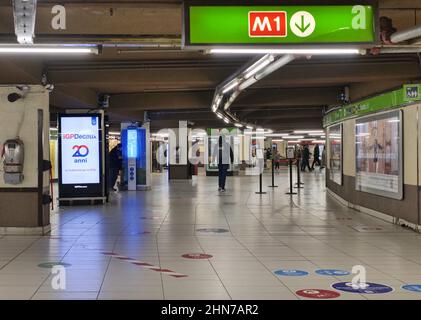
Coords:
303,27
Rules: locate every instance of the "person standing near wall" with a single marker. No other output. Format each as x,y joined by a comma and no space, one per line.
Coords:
223,154
323,165
116,164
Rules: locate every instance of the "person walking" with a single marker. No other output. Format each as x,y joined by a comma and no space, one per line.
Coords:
116,164
223,154
316,157
323,159
305,162
277,161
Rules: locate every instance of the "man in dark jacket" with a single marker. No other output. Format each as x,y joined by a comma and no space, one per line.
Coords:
305,161
115,164
316,157
222,152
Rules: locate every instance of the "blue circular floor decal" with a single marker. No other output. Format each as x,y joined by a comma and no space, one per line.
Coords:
291,273
371,288
213,230
332,272
412,287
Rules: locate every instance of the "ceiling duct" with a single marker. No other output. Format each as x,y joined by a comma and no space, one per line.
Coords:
24,13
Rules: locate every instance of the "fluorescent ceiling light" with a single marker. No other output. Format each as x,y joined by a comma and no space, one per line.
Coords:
244,85
114,133
315,51
319,141
249,127
48,49
277,135
219,115
294,141
259,65
238,125
309,131
293,137
226,120
394,120
277,140
230,86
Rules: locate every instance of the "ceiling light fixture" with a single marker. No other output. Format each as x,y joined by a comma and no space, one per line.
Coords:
310,131
259,65
230,86
315,51
293,137
48,49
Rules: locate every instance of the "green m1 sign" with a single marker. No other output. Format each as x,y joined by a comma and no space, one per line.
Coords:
277,24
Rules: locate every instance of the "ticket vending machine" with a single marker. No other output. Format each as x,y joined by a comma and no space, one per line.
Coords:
136,162
132,143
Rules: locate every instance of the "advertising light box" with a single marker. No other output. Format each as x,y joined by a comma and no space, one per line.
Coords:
210,25
80,155
378,142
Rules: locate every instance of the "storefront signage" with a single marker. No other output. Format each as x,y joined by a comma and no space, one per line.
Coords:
406,95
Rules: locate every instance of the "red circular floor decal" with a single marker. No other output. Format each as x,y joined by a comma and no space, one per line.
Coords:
197,256
318,294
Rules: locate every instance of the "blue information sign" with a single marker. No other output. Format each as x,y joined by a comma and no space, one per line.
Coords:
332,272
369,288
291,273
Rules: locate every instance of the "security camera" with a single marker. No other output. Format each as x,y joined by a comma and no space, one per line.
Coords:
15,96
103,101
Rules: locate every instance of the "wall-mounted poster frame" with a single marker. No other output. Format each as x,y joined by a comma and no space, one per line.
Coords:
379,154
334,140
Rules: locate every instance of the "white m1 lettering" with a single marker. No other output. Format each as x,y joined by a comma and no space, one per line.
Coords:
262,25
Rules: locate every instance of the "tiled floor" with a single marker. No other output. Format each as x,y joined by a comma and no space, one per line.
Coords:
265,233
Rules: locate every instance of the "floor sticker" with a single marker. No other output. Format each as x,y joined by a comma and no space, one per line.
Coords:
213,230
369,229
197,256
144,265
332,272
371,288
49,265
318,294
412,287
291,273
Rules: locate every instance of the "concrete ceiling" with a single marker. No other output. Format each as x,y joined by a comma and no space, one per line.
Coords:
172,84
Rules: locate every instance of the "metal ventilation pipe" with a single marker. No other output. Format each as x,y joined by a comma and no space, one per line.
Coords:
408,34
